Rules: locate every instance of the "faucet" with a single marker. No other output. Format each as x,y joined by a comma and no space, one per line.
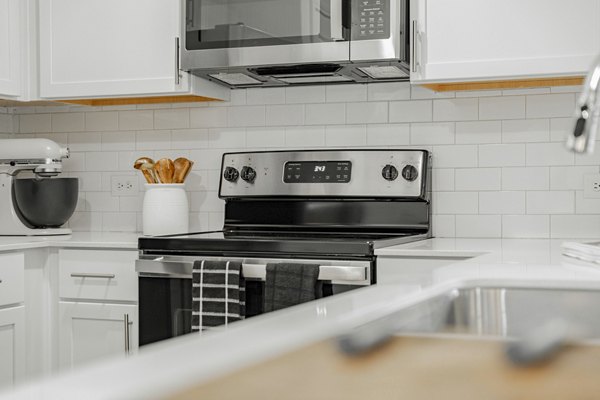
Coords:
587,114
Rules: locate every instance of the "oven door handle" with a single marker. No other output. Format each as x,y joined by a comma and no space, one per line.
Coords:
183,269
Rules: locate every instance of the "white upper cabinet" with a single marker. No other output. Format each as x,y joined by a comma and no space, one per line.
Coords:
478,40
114,48
10,48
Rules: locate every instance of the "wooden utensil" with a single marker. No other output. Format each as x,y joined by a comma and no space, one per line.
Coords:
165,169
146,164
183,166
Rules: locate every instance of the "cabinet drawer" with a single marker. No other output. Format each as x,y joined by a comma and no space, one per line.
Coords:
12,278
98,275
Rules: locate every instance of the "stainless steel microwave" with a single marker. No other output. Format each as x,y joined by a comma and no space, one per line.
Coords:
245,43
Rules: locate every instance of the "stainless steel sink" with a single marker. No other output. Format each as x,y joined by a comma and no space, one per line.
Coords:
541,320
501,312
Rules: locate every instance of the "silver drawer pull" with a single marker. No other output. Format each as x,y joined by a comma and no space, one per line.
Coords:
326,272
101,276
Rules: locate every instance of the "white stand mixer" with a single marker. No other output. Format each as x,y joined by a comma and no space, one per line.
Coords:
43,158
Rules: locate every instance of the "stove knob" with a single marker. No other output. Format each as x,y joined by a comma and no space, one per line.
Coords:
248,174
410,173
231,174
389,172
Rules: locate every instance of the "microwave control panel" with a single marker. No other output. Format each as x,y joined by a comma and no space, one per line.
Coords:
371,20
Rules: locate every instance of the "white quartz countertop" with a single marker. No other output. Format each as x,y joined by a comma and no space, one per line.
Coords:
166,368
113,240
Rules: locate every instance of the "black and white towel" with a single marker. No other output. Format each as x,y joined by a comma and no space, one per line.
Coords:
218,294
289,284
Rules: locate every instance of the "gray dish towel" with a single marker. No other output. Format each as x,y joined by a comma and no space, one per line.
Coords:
218,294
289,284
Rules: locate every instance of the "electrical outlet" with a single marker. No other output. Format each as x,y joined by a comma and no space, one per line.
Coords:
124,185
591,186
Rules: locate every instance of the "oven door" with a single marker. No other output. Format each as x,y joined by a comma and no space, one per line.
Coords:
165,288
235,33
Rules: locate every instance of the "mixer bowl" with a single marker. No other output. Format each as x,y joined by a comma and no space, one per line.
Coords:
46,203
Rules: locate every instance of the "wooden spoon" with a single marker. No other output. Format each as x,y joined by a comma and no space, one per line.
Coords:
145,165
183,166
165,169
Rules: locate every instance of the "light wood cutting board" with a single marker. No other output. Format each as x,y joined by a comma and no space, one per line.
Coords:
410,368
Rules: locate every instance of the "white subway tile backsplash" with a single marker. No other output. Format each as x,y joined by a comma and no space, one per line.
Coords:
325,114
68,122
474,132
499,165
525,130
455,203
388,134
305,94
586,206
575,226
501,155
153,140
478,179
265,96
35,123
241,116
79,141
136,120
554,202
550,105
101,121
549,154
502,203
175,118
411,111
303,137
209,117
455,109
227,138
265,137
506,107
343,135
367,113
478,226
569,178
560,127
526,226
458,156
432,133
388,91
442,180
285,115
533,178
346,93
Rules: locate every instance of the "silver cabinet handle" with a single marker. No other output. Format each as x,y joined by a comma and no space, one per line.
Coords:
413,61
177,75
127,336
101,276
335,18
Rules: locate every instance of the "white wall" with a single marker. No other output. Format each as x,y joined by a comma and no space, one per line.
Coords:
501,169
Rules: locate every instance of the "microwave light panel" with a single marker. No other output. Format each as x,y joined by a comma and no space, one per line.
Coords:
384,72
235,79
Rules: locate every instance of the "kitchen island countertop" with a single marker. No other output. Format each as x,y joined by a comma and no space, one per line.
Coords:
163,369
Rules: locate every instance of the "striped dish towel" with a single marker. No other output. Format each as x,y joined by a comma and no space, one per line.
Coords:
218,294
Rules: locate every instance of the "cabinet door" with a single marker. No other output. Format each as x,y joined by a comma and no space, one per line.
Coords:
10,18
97,48
89,331
465,40
12,345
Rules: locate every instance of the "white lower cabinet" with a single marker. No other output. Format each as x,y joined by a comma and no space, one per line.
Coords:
90,331
12,345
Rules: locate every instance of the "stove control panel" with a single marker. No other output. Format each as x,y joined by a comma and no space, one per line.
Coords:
326,173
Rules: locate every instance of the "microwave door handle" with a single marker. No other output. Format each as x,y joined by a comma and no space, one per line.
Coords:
336,19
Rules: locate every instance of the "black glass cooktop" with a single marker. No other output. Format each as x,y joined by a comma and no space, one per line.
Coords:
280,243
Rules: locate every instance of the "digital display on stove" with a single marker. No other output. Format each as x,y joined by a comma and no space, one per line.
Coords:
317,172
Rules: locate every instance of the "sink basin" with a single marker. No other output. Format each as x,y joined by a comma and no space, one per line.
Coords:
500,312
